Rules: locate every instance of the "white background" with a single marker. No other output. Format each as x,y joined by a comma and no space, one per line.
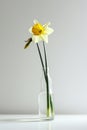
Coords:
20,70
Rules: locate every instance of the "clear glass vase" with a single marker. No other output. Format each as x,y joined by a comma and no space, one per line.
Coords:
45,98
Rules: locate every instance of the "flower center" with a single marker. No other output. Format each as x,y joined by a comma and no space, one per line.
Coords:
37,29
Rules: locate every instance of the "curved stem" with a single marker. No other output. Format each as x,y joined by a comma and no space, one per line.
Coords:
47,82
41,60
45,56
49,100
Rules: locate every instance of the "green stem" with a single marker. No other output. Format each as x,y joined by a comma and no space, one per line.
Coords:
49,101
45,55
48,97
41,60
47,82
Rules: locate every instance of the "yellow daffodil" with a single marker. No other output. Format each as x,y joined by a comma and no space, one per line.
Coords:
40,32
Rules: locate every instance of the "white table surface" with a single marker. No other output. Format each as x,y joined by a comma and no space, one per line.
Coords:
61,122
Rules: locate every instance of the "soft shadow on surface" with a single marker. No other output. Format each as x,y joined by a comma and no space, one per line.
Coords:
23,118
24,123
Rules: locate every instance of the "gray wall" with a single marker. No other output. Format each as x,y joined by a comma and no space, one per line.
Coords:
20,70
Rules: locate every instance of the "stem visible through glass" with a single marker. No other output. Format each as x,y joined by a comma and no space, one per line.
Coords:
49,97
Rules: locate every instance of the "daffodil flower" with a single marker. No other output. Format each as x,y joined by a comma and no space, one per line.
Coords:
40,32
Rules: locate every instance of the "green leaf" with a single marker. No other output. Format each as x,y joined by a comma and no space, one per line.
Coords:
28,43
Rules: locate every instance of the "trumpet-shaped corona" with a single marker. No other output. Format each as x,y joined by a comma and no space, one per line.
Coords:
40,32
